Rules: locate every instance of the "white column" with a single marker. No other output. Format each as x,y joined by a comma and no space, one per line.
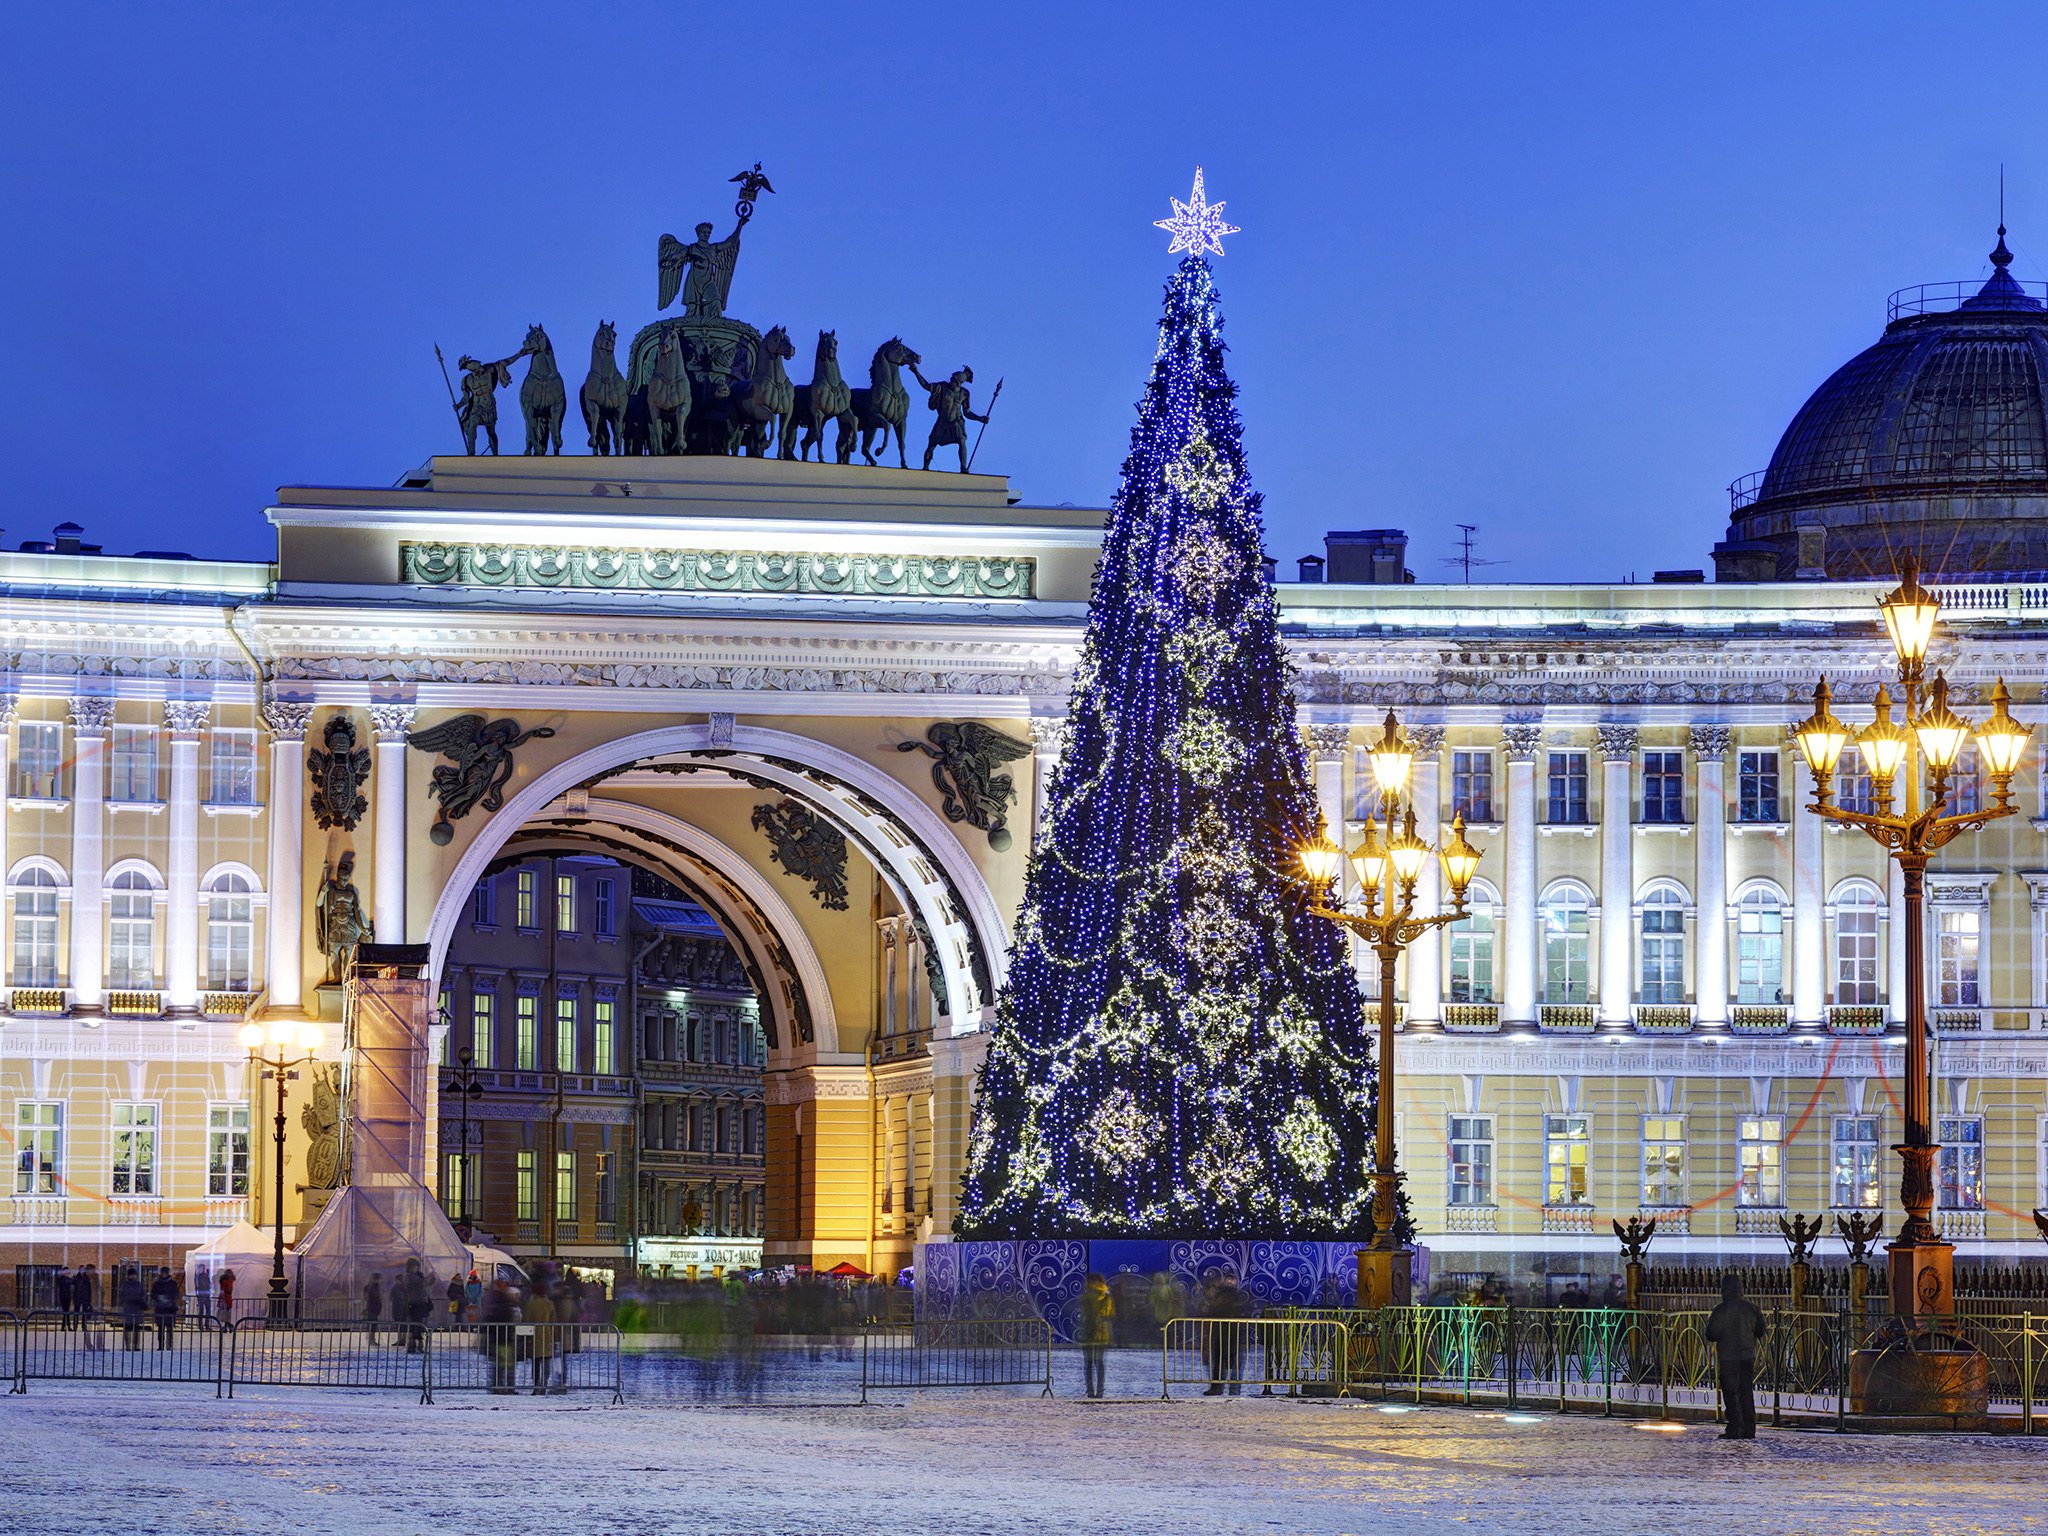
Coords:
184,719
1710,878
1425,955
1049,736
9,706
90,719
1895,944
1617,875
284,947
1518,877
1809,949
390,721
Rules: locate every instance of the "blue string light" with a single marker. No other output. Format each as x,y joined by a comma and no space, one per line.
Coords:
1179,1049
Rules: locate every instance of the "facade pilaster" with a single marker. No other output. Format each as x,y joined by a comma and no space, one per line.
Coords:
1895,944
90,721
287,721
1048,737
389,721
1710,878
184,719
1809,951
1520,741
1617,874
1425,956
10,706
1328,746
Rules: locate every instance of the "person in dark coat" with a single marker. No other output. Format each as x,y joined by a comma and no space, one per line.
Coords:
1098,1314
61,1283
133,1298
163,1301
1228,1307
373,1304
497,1335
85,1301
1736,1328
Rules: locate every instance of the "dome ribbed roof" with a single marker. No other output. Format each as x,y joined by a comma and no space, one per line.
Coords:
1946,402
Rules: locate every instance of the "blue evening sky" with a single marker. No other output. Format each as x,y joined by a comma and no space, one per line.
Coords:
1560,271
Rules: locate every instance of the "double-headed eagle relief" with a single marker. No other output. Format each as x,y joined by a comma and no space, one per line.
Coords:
703,382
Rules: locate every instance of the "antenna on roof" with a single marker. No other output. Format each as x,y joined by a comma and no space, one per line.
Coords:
1465,559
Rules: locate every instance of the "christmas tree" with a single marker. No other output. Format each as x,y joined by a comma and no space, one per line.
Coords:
1179,1048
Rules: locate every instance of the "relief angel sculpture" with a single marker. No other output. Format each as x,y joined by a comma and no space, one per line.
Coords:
481,753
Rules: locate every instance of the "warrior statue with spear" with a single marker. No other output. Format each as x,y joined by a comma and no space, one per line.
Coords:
954,408
478,406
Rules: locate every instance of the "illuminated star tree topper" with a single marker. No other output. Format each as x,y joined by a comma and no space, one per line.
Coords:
1197,225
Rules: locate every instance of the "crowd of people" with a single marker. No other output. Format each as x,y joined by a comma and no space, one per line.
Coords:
142,1304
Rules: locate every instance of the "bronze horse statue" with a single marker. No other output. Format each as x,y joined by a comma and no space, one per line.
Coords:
825,398
603,396
543,397
884,405
668,397
762,412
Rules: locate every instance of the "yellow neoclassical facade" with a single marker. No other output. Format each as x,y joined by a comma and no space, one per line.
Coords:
1677,993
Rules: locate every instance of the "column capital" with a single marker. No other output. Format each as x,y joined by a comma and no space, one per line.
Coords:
186,717
1617,741
1328,743
1426,741
91,714
391,719
287,718
1522,740
1710,741
10,706
1049,734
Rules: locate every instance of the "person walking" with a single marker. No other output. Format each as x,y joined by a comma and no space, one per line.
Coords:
497,1335
1098,1310
85,1300
410,1303
455,1298
373,1306
163,1301
62,1285
224,1298
539,1313
133,1299
1227,1308
1735,1328
473,1296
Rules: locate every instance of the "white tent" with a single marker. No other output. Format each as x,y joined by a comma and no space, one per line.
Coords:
243,1249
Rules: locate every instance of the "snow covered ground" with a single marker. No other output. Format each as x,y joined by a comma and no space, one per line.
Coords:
169,1459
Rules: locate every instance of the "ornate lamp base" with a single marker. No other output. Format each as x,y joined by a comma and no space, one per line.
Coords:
1385,1277
1921,1271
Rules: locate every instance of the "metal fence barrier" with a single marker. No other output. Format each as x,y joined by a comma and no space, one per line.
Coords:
115,1346
541,1358
1305,1356
963,1352
266,1354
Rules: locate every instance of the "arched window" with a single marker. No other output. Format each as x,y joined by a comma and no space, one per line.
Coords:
1760,947
230,932
1566,945
131,931
35,928
1472,952
1663,946
1857,908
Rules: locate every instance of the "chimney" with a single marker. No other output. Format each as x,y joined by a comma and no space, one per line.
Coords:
1369,557
1311,567
66,538
1269,568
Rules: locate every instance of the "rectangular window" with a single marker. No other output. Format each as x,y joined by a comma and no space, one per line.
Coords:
483,903
1663,1160
1759,953
565,904
1472,958
1664,787
1663,951
458,1183
1856,951
604,921
565,1033
1758,788
132,774
1854,790
36,959
134,1149
565,1186
527,884
527,1023
483,1026
1959,1173
528,1196
1566,1146
604,1043
603,1201
1966,784
38,1148
1567,789
39,761
1760,1161
1567,949
1471,1181
227,1151
1959,935
131,934
231,768
1856,1163
1472,785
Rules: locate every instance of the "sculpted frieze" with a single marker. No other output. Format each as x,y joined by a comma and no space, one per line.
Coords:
666,570
1032,684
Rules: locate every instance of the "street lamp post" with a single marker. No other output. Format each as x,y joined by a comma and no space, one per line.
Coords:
1926,744
292,1045
466,1086
1388,923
